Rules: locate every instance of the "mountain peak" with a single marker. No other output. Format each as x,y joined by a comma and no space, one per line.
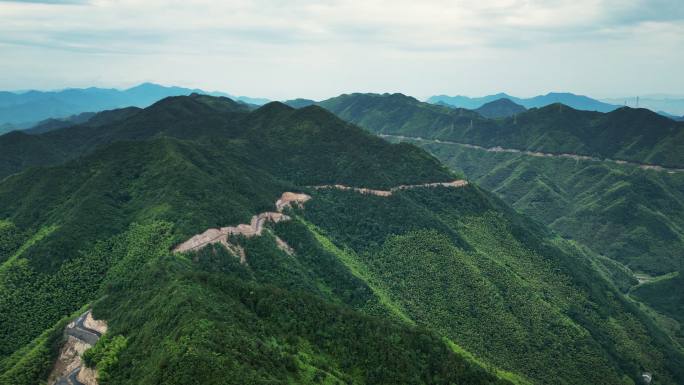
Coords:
640,114
562,94
556,107
273,108
299,102
400,96
500,108
218,103
146,86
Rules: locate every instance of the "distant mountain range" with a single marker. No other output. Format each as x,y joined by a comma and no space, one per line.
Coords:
578,102
670,106
24,109
637,135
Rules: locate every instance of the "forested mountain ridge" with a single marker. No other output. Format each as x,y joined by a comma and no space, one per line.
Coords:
194,117
36,147
378,289
631,215
637,135
500,108
89,118
628,211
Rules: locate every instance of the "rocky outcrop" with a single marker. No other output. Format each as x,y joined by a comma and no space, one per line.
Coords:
254,228
288,199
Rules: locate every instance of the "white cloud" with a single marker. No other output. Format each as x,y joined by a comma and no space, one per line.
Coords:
278,48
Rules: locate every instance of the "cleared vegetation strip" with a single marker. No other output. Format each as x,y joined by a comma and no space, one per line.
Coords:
386,193
37,237
287,199
506,375
254,228
643,166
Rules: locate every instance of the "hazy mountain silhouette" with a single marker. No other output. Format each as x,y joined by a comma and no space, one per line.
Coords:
26,108
579,102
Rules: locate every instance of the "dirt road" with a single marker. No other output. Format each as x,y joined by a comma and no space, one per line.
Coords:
643,166
82,333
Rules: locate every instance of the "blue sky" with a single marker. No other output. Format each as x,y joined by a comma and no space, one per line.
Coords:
286,48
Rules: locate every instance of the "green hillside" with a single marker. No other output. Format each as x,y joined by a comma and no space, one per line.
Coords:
500,259
500,108
622,211
37,146
637,135
664,294
437,285
631,215
213,323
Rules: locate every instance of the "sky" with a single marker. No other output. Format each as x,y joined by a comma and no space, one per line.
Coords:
281,49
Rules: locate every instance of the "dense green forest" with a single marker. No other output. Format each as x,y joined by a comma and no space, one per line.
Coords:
500,108
637,135
621,211
213,323
499,259
426,286
632,215
664,294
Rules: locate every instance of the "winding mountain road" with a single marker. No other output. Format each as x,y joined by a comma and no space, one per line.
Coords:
71,379
643,166
82,334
